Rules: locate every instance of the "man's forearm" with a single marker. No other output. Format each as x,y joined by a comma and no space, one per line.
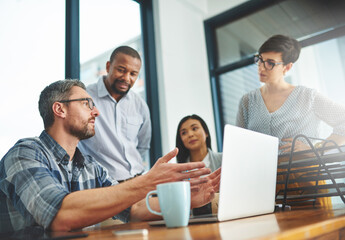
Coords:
87,207
139,211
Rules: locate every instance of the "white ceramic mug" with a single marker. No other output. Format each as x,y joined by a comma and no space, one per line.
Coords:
174,202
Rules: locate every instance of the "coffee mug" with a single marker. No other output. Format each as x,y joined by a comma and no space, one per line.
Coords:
174,202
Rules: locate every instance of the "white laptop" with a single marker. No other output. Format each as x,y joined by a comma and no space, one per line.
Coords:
248,178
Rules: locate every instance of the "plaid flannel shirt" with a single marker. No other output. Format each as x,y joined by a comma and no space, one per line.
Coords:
34,179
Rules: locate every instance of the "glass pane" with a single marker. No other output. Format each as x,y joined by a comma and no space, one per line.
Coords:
322,67
32,46
233,85
105,25
296,18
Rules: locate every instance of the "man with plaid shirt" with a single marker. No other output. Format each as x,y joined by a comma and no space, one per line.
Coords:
46,181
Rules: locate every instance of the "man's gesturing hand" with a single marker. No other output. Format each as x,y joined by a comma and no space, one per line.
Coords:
163,171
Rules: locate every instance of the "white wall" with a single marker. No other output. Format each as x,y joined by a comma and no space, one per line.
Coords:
183,76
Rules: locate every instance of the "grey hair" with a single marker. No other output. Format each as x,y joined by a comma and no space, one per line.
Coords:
57,91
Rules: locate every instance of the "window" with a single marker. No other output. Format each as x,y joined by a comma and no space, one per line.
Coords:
35,52
32,46
235,36
105,25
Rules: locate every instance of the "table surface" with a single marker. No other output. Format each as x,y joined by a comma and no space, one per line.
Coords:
302,223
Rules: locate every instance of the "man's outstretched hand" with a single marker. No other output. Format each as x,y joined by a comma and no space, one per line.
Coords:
163,172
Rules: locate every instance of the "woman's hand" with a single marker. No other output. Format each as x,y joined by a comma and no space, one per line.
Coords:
299,145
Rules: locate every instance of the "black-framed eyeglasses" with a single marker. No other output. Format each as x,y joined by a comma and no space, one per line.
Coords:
269,65
90,102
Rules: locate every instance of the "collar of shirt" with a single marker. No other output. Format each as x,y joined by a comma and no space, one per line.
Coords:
60,154
103,92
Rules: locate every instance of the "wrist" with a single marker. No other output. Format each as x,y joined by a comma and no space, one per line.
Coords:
146,183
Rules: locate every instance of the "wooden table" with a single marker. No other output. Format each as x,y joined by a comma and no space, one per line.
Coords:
295,224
